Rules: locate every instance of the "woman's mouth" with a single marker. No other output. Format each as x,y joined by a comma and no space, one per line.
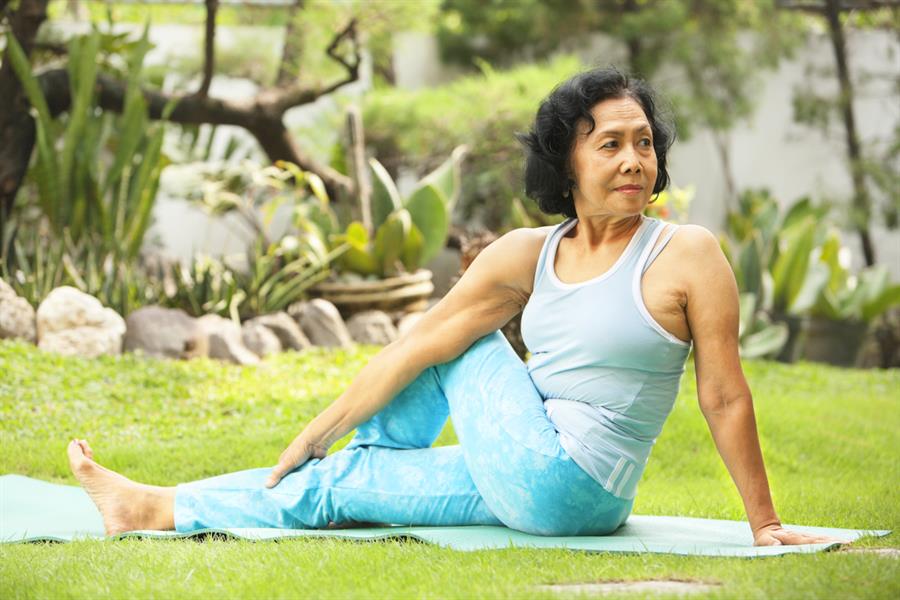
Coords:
629,190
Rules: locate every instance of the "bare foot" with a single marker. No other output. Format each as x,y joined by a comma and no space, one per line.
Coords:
125,505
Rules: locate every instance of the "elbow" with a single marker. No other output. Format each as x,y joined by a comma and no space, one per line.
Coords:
720,404
419,349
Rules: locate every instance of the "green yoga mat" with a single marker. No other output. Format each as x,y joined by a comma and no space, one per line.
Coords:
33,510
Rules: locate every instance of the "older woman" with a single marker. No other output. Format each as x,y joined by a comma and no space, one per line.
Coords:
612,302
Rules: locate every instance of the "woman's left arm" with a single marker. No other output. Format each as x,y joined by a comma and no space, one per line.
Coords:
725,399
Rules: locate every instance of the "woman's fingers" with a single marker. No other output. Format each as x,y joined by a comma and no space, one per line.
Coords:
293,456
278,471
286,464
788,537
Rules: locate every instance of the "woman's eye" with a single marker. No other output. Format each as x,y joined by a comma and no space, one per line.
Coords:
649,142
607,144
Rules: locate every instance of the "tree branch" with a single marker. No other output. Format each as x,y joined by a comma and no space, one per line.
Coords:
292,48
844,5
281,99
209,50
254,115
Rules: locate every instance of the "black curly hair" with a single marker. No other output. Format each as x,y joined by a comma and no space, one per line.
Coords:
549,143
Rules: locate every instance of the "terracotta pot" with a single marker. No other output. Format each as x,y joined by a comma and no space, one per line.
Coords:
833,342
408,292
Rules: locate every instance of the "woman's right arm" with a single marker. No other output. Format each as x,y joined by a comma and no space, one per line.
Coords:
492,291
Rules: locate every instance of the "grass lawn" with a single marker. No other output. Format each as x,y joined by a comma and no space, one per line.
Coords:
829,436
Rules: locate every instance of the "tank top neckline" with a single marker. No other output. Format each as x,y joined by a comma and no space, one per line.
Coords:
564,228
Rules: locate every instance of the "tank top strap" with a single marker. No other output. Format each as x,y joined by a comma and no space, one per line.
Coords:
636,251
540,268
648,256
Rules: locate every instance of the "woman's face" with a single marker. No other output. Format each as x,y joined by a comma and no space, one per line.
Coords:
614,165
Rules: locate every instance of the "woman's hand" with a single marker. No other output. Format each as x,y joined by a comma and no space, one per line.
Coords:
776,535
300,451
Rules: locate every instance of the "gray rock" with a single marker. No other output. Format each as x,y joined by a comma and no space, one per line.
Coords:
322,323
407,322
76,324
17,318
259,339
286,329
165,333
372,327
225,340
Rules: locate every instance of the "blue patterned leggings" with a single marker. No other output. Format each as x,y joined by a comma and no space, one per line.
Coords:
508,468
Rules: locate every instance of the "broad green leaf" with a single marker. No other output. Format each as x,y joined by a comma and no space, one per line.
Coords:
767,342
447,178
389,241
831,256
850,305
359,261
385,197
888,298
412,249
317,186
815,281
827,306
766,224
428,210
357,235
318,214
791,267
747,306
873,280
751,265
797,214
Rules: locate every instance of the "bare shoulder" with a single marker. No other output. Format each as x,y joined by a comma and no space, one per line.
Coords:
697,247
516,253
703,264
695,239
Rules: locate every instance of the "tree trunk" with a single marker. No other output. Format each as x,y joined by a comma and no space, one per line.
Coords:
209,47
292,49
17,127
635,51
861,203
723,146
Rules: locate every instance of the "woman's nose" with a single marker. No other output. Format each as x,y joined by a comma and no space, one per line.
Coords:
630,160
630,163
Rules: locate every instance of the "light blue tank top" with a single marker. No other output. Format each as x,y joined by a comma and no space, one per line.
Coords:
608,372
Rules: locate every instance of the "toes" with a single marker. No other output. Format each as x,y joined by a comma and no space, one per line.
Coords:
78,459
83,446
76,455
87,449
